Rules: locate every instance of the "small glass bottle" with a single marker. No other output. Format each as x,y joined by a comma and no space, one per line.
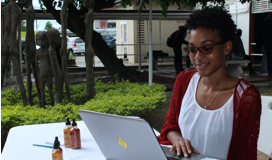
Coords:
67,134
57,151
75,142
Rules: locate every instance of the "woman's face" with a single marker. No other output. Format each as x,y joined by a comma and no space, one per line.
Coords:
211,63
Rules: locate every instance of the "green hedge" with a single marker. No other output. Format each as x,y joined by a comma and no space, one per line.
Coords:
121,98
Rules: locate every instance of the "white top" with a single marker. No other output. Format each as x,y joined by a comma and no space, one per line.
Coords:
209,131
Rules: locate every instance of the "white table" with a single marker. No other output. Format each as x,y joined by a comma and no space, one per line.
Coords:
265,138
20,140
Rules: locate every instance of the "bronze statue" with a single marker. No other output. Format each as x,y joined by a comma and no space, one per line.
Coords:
53,37
89,52
11,20
44,70
63,50
30,49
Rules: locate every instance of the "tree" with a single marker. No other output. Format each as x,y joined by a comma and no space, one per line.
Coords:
48,25
23,28
108,57
23,25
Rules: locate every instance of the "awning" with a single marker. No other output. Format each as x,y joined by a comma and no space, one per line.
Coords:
123,15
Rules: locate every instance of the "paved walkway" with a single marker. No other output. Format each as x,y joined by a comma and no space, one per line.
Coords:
166,70
167,75
164,74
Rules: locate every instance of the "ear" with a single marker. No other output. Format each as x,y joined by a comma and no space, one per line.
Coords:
228,47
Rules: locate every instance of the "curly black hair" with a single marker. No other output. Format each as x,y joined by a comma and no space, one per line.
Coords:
215,18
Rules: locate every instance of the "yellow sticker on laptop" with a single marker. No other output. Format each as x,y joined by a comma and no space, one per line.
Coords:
122,143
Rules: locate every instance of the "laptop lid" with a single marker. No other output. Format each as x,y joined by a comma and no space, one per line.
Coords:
123,138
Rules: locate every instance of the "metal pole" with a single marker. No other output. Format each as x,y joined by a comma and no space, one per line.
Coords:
20,49
139,35
21,59
147,21
20,52
11,68
150,45
139,40
160,33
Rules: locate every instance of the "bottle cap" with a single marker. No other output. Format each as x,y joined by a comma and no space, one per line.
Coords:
74,122
68,122
56,143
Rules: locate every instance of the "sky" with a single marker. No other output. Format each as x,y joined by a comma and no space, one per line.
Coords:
41,23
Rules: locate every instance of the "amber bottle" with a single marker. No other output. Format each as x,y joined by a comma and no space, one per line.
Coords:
57,151
75,141
67,134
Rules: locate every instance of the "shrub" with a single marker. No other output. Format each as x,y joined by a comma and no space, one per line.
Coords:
121,98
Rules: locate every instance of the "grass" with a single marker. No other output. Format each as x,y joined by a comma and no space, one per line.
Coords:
23,34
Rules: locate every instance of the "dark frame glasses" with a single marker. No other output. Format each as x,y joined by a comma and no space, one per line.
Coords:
205,49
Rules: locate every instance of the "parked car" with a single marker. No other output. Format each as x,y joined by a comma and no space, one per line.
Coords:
111,42
75,45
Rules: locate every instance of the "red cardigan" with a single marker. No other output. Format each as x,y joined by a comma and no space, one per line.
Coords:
246,116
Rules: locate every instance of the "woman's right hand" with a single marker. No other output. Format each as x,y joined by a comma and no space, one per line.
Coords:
185,146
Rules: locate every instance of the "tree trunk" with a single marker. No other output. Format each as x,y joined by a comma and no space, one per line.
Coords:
108,57
63,50
89,53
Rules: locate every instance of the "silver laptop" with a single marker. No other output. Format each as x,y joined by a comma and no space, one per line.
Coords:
127,138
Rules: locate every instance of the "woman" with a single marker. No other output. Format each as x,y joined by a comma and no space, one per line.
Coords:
211,112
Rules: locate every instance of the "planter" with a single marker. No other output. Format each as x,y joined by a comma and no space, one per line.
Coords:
71,61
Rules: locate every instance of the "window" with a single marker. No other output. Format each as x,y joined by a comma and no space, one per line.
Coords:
78,40
107,37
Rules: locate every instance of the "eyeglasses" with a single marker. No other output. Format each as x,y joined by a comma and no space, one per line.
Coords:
205,49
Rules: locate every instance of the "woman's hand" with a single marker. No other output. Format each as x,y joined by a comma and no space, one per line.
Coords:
185,146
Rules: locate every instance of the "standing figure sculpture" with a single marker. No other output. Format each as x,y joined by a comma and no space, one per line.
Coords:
30,49
11,20
44,67
53,37
63,50
89,53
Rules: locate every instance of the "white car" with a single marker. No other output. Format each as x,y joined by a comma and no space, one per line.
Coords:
75,45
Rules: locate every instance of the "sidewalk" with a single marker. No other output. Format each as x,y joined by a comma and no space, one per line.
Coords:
164,74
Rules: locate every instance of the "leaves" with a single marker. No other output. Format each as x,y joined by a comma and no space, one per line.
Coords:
48,25
72,57
121,98
164,4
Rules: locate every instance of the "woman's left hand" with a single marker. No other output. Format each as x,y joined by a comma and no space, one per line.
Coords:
185,146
